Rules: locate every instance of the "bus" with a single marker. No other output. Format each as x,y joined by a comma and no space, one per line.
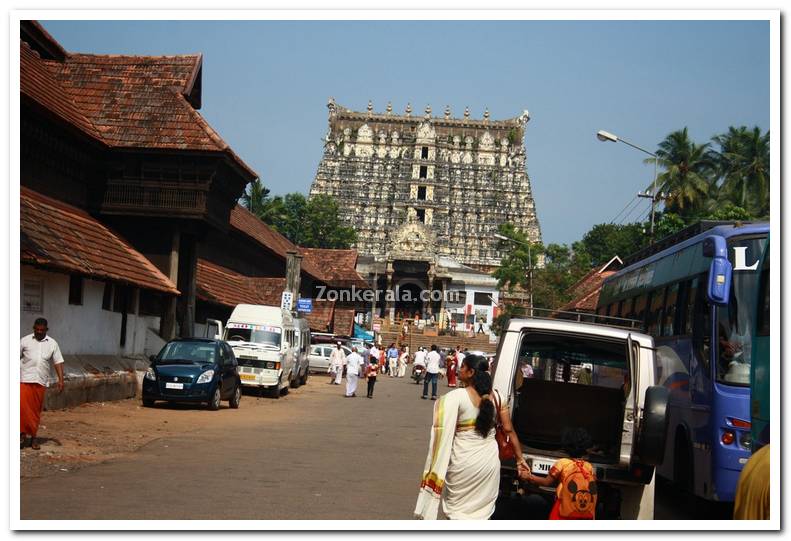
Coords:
695,293
759,365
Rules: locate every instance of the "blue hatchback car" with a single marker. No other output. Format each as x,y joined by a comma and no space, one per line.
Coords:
193,370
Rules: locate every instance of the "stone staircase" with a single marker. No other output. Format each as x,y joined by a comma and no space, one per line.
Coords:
416,338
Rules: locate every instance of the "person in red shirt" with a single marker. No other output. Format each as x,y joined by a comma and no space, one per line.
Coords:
576,494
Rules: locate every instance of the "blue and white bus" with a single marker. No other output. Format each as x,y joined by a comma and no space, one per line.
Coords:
695,294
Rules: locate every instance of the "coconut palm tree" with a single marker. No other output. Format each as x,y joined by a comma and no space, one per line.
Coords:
255,197
688,178
743,164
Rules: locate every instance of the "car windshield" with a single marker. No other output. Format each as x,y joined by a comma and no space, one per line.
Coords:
735,322
188,352
269,337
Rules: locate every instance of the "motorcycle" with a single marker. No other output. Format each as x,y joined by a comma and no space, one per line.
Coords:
418,371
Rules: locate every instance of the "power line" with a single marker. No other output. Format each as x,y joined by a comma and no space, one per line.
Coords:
626,217
622,211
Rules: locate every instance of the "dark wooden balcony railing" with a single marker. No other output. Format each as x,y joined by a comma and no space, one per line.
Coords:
154,198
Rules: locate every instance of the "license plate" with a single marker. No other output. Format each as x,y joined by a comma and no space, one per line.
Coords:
541,467
247,377
174,385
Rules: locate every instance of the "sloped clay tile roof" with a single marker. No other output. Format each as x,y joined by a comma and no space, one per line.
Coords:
130,101
321,317
338,266
58,236
37,83
248,223
220,285
343,322
589,290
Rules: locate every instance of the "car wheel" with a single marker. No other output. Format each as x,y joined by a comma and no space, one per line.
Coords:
305,377
294,383
236,397
274,392
214,403
148,402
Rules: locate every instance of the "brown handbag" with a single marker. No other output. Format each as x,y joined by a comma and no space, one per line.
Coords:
504,446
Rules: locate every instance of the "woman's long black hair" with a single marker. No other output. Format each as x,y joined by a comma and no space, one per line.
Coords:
482,382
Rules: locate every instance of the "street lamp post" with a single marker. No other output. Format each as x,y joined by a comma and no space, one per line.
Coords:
529,267
604,136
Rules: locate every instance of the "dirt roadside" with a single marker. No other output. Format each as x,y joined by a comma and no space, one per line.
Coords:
99,431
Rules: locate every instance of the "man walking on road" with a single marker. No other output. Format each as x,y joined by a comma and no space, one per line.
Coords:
432,373
337,360
353,364
36,352
392,361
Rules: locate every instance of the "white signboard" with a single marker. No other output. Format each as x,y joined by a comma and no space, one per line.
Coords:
286,300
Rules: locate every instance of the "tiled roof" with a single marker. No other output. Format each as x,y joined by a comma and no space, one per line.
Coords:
131,101
248,223
58,236
343,322
589,290
338,266
220,285
321,317
37,83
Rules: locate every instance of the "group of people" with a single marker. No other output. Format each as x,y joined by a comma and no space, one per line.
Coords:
369,361
437,362
462,469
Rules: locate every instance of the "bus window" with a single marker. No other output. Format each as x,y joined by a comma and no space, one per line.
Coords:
668,321
701,325
654,320
689,310
639,308
620,312
628,308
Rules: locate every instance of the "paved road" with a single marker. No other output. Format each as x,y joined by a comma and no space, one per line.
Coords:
311,455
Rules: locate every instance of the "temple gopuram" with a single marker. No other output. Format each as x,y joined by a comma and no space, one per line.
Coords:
426,195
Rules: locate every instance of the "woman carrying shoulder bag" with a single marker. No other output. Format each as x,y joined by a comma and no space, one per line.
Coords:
462,468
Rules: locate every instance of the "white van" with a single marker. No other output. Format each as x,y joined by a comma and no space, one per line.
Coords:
557,374
271,346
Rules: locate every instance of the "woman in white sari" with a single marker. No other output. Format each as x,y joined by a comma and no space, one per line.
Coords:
463,465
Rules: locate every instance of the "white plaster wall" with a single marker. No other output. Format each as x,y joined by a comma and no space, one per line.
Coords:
85,329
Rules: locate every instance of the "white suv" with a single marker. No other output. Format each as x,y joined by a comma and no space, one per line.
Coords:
557,374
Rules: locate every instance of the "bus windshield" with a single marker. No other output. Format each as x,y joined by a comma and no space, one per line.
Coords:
735,322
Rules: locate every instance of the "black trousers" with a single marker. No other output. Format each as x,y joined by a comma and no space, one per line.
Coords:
371,383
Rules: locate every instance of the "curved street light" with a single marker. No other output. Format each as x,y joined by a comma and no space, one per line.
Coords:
606,136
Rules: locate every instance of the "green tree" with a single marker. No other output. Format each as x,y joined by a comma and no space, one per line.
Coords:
322,224
689,173
667,223
255,197
743,165
520,256
605,241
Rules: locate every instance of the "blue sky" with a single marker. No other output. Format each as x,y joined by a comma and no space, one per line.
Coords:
266,84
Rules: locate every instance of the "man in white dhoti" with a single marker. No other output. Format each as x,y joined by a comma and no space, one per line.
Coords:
337,360
403,358
353,364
